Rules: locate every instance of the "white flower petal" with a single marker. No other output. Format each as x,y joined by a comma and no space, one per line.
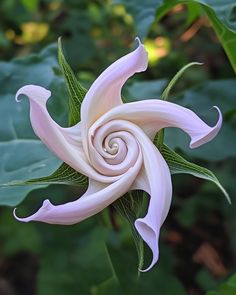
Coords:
105,92
64,142
153,115
113,146
155,179
97,197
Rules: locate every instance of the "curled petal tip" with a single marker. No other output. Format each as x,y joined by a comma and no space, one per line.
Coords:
46,205
208,136
151,239
150,266
39,215
33,92
19,218
146,269
142,56
138,40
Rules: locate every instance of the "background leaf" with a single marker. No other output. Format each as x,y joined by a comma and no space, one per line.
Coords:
221,15
226,36
227,288
37,258
63,175
144,16
16,135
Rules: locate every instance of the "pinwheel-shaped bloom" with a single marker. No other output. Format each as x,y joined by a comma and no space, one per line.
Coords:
113,146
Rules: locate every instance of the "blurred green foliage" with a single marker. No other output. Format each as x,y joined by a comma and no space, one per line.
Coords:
198,244
227,288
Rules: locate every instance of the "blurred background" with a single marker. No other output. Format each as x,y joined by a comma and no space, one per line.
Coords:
98,256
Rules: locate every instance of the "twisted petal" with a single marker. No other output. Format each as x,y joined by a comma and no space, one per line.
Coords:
153,115
155,179
97,197
64,142
113,146
105,92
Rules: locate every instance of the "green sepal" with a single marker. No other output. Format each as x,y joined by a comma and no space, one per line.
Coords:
130,207
63,175
76,90
178,164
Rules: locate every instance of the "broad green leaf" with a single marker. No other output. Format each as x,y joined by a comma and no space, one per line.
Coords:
63,175
76,91
178,164
194,11
18,164
226,36
222,15
144,15
27,70
227,288
224,10
16,135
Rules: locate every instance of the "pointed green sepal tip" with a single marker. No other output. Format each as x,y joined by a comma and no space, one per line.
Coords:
178,165
76,91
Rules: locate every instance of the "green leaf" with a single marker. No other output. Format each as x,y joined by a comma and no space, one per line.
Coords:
130,207
178,164
17,163
227,288
225,11
31,5
221,14
144,15
16,135
63,175
28,70
226,36
76,91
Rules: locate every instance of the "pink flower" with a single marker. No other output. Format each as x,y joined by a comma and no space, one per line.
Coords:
113,146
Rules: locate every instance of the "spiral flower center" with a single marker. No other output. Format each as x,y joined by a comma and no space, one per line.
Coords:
113,149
